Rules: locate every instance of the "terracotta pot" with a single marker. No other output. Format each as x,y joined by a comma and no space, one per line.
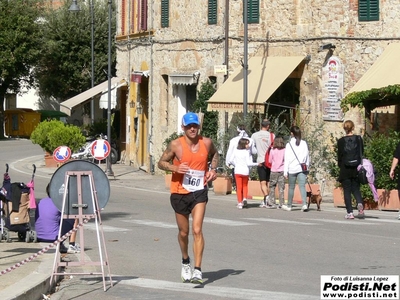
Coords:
370,205
222,185
338,197
254,189
49,161
388,200
167,178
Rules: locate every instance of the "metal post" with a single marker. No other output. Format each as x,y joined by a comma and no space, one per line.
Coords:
92,49
109,171
245,65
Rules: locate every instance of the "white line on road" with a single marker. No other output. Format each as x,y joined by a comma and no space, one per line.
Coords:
152,223
280,221
347,222
218,291
92,226
227,222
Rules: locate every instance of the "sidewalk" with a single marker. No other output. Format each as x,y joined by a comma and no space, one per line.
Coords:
25,274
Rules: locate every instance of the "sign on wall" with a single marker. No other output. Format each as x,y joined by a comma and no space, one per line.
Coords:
332,89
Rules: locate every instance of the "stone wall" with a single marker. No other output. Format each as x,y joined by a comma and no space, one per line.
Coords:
286,28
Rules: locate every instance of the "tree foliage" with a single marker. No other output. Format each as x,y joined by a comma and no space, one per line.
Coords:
64,68
359,99
19,40
210,122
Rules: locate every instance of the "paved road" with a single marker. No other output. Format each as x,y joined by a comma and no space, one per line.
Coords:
252,253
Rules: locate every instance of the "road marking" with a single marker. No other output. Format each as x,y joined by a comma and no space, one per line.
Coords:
280,221
224,292
152,223
383,220
92,226
227,222
347,222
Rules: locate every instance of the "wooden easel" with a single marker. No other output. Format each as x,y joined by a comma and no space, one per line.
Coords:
81,216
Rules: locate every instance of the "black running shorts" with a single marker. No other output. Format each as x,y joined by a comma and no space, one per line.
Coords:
184,203
264,173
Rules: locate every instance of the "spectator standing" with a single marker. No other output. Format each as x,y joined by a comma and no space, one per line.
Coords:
296,153
242,162
262,141
277,160
348,171
233,143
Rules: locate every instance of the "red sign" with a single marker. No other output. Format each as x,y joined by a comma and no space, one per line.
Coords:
100,149
62,154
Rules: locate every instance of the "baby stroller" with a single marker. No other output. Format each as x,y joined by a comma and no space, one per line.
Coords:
16,201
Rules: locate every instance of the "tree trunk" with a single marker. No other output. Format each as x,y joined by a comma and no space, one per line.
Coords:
2,97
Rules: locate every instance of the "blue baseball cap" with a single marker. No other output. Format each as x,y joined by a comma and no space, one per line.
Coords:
190,118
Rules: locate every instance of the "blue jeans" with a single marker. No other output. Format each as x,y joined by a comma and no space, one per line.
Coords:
301,181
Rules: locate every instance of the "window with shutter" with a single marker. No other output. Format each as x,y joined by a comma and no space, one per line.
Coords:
368,10
143,15
164,13
253,11
212,11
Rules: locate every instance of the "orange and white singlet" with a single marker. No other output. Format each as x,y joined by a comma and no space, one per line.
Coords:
193,179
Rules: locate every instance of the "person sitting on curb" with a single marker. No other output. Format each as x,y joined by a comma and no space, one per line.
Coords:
47,224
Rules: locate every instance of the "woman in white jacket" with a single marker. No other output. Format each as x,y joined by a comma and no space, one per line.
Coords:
296,153
242,160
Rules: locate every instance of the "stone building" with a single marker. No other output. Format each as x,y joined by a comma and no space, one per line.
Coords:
301,53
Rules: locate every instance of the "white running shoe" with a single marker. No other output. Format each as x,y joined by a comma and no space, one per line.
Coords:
287,208
240,205
197,277
304,208
73,249
186,273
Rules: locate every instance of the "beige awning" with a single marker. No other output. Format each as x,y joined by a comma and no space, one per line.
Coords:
265,75
184,78
383,72
67,105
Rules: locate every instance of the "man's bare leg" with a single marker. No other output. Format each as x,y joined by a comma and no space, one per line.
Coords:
198,213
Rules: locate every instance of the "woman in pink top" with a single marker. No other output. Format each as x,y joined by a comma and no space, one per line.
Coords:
277,159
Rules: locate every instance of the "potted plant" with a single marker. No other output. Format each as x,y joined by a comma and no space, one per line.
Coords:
379,149
51,134
222,185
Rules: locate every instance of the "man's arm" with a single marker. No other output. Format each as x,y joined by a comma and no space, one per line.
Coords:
214,155
165,160
395,161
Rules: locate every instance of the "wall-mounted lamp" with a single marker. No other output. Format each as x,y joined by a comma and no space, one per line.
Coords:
329,47
139,110
132,104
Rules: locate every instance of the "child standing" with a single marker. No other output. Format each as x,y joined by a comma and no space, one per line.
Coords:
277,160
242,160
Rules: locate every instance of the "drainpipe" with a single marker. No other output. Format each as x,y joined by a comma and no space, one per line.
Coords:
226,59
245,66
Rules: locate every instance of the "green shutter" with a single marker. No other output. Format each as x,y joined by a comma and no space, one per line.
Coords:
164,13
212,11
368,10
253,11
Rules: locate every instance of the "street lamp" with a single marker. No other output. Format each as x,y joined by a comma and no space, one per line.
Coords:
245,64
75,8
109,171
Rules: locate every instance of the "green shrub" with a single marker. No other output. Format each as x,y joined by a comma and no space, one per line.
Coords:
51,134
379,149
